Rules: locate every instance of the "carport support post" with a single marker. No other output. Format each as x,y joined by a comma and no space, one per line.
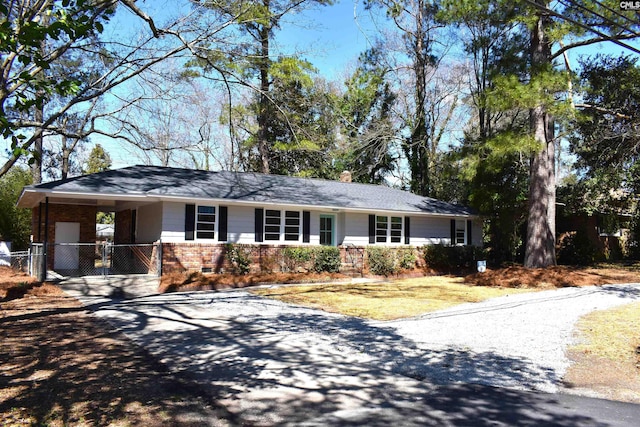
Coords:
43,269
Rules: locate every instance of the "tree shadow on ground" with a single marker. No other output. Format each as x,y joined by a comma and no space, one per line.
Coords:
307,367
59,366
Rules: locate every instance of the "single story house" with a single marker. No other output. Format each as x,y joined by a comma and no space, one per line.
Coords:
193,214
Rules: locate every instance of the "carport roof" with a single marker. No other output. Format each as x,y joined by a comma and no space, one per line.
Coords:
164,183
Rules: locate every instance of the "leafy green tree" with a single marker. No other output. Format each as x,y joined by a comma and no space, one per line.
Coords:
366,122
491,164
551,29
98,161
33,36
252,63
15,223
416,23
300,127
607,139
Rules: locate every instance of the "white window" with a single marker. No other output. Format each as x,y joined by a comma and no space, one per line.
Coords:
396,229
291,226
206,222
275,229
461,232
272,222
382,226
388,229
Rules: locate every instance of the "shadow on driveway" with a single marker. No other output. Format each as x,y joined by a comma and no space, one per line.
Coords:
298,366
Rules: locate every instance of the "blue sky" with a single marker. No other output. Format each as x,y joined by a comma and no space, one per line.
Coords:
330,37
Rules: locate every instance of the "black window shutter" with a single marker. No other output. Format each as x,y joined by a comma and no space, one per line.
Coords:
306,226
469,227
259,225
222,224
372,229
189,222
453,232
407,230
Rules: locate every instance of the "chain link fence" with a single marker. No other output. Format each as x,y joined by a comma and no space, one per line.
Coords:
90,259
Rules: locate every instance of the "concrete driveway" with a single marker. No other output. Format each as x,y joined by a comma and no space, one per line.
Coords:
270,363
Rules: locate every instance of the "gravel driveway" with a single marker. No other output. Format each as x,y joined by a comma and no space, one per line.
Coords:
268,360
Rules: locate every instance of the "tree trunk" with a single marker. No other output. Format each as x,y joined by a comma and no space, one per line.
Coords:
65,162
263,113
540,247
36,166
418,151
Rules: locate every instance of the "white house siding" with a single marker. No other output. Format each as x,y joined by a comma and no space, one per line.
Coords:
314,227
172,222
241,224
356,229
430,230
149,226
352,228
340,221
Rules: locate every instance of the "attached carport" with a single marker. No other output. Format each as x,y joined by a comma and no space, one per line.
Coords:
64,241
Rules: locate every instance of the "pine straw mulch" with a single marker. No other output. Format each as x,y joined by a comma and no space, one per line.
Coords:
196,281
554,277
60,366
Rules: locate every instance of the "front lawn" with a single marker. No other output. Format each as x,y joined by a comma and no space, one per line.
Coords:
396,299
387,300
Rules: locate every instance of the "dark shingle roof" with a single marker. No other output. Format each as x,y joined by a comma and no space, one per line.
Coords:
249,187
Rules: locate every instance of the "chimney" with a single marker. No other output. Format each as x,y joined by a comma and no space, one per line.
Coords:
345,176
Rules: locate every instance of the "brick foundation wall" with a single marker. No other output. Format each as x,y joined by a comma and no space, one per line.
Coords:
179,257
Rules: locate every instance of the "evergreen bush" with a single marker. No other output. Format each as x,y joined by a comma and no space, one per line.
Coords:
327,259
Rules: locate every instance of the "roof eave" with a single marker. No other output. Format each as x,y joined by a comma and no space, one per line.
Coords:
31,197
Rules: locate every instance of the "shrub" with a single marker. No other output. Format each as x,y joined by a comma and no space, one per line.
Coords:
576,249
381,260
295,257
239,259
327,259
406,258
452,258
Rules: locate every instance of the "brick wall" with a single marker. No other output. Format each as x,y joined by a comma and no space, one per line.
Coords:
178,257
122,232
85,215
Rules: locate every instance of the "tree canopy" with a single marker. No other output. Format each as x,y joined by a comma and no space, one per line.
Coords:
474,102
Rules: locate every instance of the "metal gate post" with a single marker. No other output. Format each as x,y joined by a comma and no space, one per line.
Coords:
159,261
105,271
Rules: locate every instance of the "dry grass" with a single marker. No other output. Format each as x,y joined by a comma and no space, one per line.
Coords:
607,361
611,334
388,300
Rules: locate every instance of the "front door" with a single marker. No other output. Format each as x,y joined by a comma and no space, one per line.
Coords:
327,230
67,257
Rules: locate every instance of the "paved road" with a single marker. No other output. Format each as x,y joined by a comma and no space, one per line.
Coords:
271,364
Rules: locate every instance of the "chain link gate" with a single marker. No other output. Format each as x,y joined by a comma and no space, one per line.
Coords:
97,259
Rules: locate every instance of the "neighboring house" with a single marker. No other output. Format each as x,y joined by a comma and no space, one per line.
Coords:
194,213
105,232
